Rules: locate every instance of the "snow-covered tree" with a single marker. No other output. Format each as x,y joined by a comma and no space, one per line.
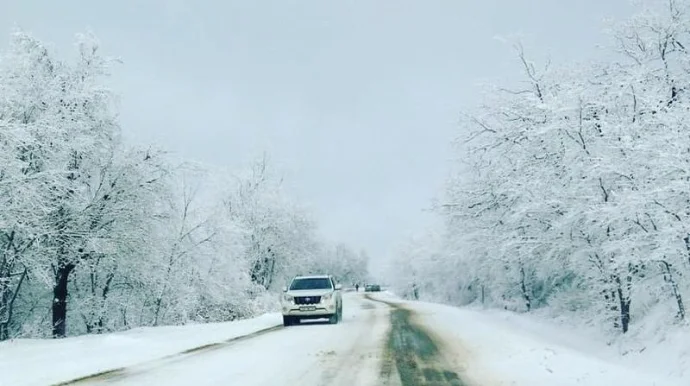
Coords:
86,199
573,190
109,236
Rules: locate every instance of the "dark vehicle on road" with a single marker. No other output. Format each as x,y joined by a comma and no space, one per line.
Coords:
372,288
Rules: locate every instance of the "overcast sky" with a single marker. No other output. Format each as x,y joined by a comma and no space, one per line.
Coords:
356,101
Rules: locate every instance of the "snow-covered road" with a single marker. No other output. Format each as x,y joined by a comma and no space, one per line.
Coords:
382,341
312,353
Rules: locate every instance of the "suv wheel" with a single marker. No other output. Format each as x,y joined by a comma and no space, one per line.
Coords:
333,319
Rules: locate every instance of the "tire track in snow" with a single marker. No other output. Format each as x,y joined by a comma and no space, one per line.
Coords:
414,357
347,369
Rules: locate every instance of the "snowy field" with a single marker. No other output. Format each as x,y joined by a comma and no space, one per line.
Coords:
482,348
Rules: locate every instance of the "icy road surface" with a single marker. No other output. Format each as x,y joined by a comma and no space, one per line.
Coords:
375,344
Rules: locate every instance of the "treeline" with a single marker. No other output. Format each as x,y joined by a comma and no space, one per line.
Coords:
573,191
107,236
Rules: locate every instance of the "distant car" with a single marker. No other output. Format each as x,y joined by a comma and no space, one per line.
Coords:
312,297
372,288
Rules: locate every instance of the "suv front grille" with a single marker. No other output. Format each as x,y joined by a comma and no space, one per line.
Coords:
307,299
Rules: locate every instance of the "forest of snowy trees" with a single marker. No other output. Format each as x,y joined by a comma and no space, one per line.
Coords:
97,235
571,193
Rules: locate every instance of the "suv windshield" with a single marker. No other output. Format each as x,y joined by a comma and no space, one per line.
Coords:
312,283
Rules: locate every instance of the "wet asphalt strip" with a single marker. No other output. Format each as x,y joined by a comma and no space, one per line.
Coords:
125,372
413,355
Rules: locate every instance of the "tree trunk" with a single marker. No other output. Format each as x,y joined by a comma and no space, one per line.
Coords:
60,300
612,305
124,317
100,323
5,290
668,277
625,312
523,288
272,268
624,303
159,300
4,325
5,307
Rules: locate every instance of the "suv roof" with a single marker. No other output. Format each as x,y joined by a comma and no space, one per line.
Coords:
312,277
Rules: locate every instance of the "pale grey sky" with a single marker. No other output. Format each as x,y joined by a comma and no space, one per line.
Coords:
355,100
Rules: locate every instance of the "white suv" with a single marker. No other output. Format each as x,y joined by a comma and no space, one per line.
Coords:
312,297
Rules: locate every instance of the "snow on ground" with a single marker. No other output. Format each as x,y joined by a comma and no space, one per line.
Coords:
657,346
660,343
491,348
40,362
508,349
309,354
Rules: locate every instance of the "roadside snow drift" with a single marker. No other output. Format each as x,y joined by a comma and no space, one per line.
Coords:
41,362
496,353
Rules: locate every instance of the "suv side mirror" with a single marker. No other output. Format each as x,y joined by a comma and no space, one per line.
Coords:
284,288
338,287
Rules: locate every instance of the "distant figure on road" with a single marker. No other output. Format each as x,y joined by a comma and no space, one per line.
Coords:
357,287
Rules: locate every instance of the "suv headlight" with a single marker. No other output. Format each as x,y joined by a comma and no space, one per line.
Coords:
327,297
288,298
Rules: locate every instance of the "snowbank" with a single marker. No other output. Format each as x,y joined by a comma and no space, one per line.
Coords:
41,362
655,346
511,349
